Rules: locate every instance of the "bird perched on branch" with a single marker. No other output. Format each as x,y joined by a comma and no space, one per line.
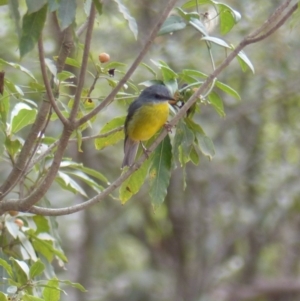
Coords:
146,115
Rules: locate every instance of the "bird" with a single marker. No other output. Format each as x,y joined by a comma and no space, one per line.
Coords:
146,116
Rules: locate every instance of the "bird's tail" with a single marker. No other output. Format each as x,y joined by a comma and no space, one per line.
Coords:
130,150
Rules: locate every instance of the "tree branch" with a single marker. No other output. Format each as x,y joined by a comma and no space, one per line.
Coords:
30,141
84,63
50,95
134,65
68,210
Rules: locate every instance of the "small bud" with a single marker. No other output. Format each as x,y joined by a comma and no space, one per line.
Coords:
104,57
19,222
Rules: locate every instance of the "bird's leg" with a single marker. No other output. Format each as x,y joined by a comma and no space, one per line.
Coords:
146,152
168,127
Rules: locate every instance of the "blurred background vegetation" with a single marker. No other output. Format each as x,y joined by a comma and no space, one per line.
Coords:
233,232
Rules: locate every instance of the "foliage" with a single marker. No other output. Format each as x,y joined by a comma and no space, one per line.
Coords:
60,98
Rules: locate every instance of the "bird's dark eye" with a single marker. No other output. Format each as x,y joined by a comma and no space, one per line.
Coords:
157,96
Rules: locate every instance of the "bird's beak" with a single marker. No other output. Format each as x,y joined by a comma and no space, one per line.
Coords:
172,101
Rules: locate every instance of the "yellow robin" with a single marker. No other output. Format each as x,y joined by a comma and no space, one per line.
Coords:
146,115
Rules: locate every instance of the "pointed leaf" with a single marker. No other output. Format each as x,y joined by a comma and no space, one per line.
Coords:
27,245
113,138
36,269
26,297
19,67
66,13
217,41
245,62
32,27
98,6
51,291
197,24
22,270
228,17
171,24
227,89
22,116
160,172
217,103
74,284
2,297
12,146
34,5
206,146
133,184
69,184
126,14
7,267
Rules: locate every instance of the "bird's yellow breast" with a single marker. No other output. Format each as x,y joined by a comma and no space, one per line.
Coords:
147,120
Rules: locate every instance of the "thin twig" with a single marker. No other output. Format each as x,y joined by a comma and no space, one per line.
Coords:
50,95
84,63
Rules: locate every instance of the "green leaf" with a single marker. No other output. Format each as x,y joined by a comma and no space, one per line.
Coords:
113,138
42,224
149,69
36,269
73,284
133,184
86,170
245,62
217,103
193,3
228,17
217,41
126,14
22,270
171,24
43,243
3,2
227,89
66,13
86,179
69,184
53,5
167,73
4,108
62,76
27,245
52,291
14,89
183,142
14,12
12,146
194,155
19,67
7,267
160,172
34,5
32,27
70,61
198,25
98,6
2,297
206,146
21,116
26,297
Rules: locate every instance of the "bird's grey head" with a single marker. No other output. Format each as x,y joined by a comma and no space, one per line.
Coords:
156,93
